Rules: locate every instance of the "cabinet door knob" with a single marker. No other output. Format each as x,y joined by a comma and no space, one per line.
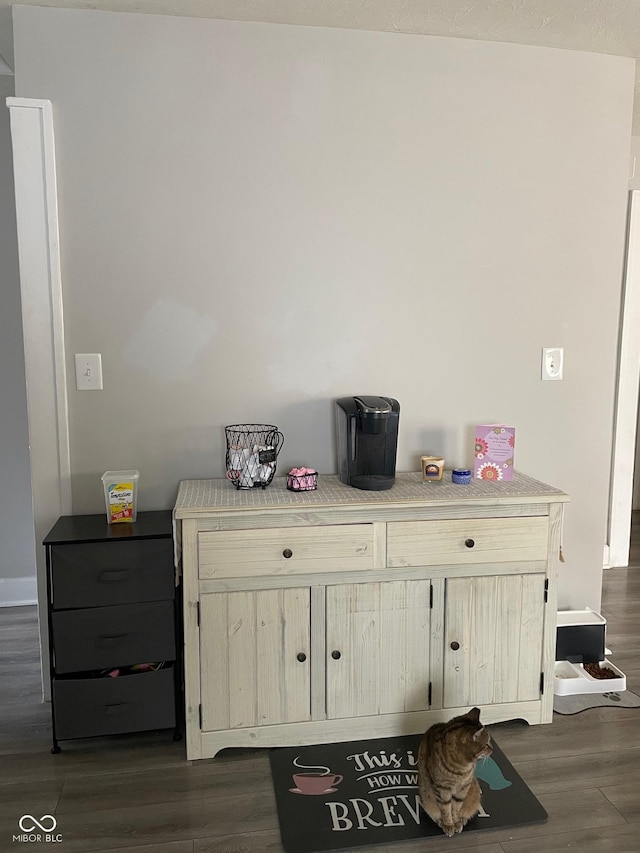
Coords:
287,553
455,646
335,654
469,543
301,657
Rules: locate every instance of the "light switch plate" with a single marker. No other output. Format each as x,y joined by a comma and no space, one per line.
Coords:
552,363
88,371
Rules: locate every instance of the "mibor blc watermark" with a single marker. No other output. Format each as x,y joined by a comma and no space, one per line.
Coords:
37,830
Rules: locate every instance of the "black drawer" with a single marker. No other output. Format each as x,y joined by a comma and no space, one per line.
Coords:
113,636
93,574
108,706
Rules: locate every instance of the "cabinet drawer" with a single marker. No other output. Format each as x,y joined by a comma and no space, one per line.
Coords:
454,542
107,706
286,550
94,574
113,636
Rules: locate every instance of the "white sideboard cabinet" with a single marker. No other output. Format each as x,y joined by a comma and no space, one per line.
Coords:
340,614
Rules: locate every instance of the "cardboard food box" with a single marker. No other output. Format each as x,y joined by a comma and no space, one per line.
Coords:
121,495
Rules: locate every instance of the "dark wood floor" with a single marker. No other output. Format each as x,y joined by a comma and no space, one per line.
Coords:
137,793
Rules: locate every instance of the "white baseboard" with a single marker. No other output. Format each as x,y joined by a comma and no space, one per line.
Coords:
18,592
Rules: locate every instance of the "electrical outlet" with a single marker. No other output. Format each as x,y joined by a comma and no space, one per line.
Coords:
89,371
552,363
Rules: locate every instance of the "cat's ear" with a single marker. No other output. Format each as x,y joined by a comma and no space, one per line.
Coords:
474,715
476,735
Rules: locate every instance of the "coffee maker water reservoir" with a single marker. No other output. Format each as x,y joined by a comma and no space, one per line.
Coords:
367,438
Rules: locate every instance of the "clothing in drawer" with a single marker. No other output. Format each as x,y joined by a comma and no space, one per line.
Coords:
113,636
461,541
86,707
94,574
286,550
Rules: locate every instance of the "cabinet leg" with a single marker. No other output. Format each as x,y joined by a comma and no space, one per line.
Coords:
177,734
55,749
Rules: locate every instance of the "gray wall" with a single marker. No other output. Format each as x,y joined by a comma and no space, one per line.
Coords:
17,549
258,218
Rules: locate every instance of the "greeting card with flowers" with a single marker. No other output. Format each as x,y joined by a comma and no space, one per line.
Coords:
493,458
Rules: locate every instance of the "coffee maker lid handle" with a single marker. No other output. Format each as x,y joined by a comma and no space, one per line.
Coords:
373,405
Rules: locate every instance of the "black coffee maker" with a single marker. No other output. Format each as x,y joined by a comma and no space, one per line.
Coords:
367,431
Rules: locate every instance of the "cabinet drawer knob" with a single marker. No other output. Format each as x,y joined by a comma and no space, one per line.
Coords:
336,655
301,657
455,646
287,553
469,543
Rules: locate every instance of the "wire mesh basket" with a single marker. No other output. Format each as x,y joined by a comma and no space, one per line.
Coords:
252,453
302,480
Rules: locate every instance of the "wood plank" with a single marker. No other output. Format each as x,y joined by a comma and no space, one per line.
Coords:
318,653
340,687
214,661
241,842
458,614
375,575
529,665
296,626
582,771
170,847
509,605
623,838
390,654
40,798
137,825
271,657
483,649
191,633
415,668
243,660
625,798
181,783
363,661
283,690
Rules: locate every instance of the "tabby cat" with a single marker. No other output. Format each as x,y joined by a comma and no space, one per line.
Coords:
449,791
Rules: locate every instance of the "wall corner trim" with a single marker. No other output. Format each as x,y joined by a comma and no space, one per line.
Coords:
29,103
626,407
36,198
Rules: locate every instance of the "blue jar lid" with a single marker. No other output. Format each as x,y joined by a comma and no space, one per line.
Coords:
462,471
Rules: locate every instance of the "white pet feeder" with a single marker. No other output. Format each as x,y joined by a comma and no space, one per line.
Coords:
580,638
572,678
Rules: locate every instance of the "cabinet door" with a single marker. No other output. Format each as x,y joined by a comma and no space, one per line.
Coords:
254,658
493,639
378,645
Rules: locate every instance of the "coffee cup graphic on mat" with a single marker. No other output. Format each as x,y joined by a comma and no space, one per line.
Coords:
314,780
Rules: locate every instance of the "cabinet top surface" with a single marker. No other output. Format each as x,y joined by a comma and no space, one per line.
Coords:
72,529
200,497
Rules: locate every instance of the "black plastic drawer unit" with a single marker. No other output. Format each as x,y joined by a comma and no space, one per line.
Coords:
85,707
95,574
101,637
114,627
